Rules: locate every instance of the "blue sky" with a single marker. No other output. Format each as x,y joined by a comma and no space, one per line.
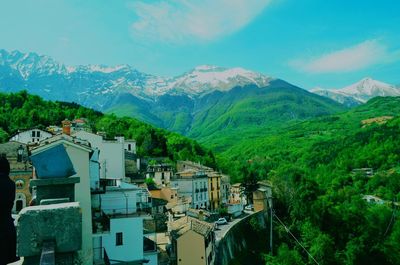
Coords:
308,43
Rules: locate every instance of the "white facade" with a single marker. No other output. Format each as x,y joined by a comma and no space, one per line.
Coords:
112,154
131,247
79,156
130,146
124,240
31,136
118,200
193,187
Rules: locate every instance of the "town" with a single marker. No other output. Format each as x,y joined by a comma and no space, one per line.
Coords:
82,198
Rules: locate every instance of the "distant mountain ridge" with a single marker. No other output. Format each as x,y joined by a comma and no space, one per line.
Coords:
43,74
359,92
204,103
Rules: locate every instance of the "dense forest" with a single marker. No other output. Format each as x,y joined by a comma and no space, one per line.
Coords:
21,110
319,190
313,166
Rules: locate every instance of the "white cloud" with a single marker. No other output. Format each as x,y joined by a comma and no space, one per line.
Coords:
349,59
178,21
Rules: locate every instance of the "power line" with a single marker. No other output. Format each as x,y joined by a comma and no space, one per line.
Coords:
298,242
392,218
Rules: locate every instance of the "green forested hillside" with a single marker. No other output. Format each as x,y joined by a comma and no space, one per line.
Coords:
225,119
222,119
317,194
21,111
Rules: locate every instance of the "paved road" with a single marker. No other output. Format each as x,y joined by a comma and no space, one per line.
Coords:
221,231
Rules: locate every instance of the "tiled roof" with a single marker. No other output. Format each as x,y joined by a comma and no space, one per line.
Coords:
184,224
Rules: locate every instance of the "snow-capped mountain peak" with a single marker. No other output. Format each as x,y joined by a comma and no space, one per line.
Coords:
359,92
370,87
207,78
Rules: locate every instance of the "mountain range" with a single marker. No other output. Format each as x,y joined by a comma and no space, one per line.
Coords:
206,103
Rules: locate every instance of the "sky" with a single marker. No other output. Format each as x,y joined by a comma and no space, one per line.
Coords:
309,43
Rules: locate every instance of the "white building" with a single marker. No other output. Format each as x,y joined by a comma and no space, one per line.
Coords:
111,157
123,238
161,173
192,184
31,136
130,146
79,155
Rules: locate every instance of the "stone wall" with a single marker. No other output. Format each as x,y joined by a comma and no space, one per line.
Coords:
244,242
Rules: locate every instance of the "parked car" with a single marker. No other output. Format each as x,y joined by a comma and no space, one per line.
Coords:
221,221
249,207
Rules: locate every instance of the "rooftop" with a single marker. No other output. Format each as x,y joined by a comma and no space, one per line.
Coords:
184,224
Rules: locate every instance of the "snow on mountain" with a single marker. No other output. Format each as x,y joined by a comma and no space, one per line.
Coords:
30,63
359,92
207,78
368,88
43,75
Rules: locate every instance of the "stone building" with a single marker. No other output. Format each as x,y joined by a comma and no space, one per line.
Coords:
20,172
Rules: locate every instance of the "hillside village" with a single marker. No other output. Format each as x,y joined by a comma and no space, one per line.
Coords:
131,210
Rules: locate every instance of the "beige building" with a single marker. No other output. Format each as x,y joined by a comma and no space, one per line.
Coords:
165,193
193,242
161,173
236,194
262,197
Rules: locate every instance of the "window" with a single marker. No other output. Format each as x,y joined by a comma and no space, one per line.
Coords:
118,239
19,205
129,147
33,134
38,133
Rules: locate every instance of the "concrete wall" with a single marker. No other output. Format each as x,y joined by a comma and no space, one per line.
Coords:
191,249
95,170
132,248
152,257
119,201
80,161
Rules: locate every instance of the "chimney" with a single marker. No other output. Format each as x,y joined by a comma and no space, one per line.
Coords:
66,127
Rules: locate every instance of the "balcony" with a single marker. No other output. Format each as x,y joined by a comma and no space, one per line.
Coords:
100,223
